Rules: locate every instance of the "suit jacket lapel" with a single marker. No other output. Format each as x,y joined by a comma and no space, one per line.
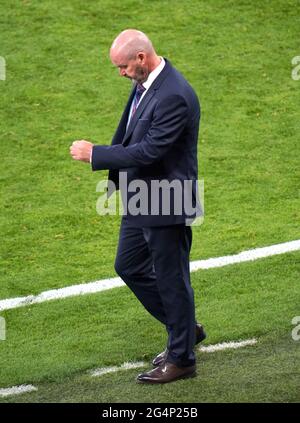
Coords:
149,94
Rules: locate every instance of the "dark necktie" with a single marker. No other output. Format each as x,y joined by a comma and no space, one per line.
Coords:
138,94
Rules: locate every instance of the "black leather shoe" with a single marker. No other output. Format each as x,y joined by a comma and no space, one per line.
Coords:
200,336
167,372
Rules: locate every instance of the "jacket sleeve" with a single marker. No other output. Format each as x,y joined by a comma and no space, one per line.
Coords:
169,119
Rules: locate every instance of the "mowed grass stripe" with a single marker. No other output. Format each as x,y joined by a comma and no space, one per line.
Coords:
17,390
105,284
55,340
266,373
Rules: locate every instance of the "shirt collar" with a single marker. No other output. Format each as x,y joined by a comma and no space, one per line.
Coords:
154,74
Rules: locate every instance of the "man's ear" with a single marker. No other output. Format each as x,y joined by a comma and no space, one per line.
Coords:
141,56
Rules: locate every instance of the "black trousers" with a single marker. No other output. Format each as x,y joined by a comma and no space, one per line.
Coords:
154,264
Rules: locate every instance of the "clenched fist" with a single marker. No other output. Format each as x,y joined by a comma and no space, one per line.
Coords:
81,150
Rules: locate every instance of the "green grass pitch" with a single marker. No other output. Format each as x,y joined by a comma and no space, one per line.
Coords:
60,86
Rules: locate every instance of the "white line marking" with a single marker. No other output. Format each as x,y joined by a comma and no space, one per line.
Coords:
227,345
17,390
55,294
249,255
124,366
103,285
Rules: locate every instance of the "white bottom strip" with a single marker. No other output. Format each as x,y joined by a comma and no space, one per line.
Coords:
17,390
103,285
227,346
124,366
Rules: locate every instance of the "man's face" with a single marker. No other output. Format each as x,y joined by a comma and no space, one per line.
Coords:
134,68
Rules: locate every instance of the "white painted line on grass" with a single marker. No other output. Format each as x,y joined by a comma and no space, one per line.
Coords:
17,390
249,255
124,366
55,294
105,284
227,345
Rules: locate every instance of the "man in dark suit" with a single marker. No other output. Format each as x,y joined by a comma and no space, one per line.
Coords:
155,145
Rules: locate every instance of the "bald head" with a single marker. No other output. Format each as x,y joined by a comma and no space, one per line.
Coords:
132,52
129,43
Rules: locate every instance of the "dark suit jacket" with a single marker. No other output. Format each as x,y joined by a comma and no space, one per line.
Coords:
160,143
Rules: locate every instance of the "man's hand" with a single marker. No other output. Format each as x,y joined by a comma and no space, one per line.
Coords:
81,150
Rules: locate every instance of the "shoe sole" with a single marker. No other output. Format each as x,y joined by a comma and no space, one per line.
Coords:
153,382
